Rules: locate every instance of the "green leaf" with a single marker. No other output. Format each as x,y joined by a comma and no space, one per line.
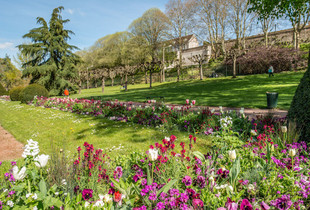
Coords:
199,155
149,178
118,187
42,187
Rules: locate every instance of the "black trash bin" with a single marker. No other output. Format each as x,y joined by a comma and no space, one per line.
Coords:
272,100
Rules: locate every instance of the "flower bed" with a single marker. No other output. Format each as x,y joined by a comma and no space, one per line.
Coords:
261,174
183,118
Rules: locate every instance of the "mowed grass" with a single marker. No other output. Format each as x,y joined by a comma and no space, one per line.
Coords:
68,131
243,91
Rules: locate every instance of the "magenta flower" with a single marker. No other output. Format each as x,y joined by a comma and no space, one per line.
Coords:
187,180
87,194
264,206
231,205
282,203
197,203
246,205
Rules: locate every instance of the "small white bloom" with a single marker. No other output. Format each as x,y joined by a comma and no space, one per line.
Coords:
292,152
64,182
28,195
232,154
221,109
230,188
10,203
253,132
35,196
167,138
272,148
19,175
211,180
212,111
283,129
251,187
56,193
153,154
107,198
41,160
5,190
99,204
35,208
86,204
242,111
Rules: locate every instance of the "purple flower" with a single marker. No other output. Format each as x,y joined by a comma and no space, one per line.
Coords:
200,181
13,163
174,192
231,205
197,203
184,197
183,206
245,205
282,203
160,205
87,194
264,206
152,196
187,180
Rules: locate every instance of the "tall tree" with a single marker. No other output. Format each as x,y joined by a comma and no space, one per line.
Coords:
212,16
152,25
10,76
179,14
52,61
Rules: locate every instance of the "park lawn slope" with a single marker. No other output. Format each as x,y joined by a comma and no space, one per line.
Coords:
244,91
68,130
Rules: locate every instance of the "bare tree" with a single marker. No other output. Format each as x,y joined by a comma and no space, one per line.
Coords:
152,26
200,59
179,13
212,17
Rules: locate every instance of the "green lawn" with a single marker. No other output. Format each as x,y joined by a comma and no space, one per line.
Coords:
67,130
244,91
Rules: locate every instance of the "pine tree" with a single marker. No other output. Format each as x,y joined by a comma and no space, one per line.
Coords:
52,62
299,111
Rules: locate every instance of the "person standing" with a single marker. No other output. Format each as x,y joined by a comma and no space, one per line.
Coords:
270,71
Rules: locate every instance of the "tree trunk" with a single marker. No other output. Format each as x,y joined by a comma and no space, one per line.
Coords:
234,66
266,38
103,84
161,76
294,39
80,83
96,84
151,77
297,39
201,74
122,78
145,77
112,82
87,80
126,82
164,73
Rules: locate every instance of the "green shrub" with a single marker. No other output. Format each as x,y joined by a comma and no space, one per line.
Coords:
299,111
28,93
15,93
2,90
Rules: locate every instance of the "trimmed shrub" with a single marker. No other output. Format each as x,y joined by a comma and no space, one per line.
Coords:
3,90
15,93
29,92
299,111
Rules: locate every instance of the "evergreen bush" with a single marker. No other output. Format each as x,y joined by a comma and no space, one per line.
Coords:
15,93
299,111
2,90
28,93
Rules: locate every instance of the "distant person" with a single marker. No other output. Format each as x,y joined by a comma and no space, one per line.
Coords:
270,71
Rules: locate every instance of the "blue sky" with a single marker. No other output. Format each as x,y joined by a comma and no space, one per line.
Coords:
89,19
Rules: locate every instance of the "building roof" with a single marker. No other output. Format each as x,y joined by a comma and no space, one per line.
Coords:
184,39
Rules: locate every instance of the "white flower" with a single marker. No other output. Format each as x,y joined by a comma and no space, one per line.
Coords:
107,198
253,132
56,193
229,187
212,111
10,203
167,138
28,195
211,180
292,152
153,154
232,154
35,196
272,148
19,175
41,160
283,129
242,111
251,187
99,204
31,148
86,204
221,186
221,108
64,182
35,208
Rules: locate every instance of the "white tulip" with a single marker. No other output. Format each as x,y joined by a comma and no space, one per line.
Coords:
230,188
283,129
19,175
99,204
232,154
211,180
153,154
41,160
292,152
31,148
107,198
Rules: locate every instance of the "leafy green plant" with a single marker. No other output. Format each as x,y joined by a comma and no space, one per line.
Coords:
29,92
15,93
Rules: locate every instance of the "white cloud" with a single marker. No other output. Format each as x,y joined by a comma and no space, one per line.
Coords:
70,11
6,45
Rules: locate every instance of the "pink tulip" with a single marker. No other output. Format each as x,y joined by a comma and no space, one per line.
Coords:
193,102
187,101
129,108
